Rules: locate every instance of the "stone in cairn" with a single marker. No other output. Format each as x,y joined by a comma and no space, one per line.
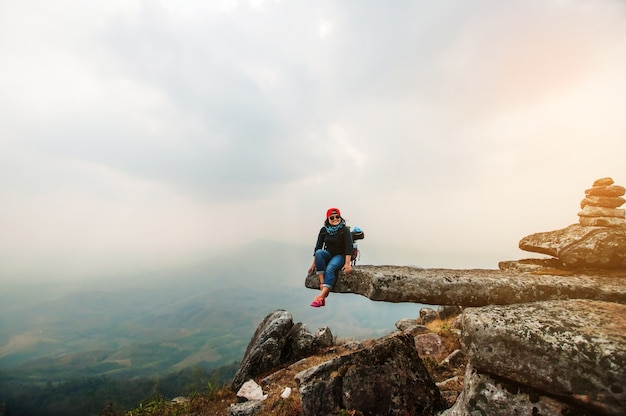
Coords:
600,205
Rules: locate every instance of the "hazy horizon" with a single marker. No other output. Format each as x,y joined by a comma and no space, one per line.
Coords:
145,136
208,312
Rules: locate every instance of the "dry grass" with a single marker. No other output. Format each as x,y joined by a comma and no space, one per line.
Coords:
213,404
440,371
274,384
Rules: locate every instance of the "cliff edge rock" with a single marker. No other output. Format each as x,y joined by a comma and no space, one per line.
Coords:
477,287
538,336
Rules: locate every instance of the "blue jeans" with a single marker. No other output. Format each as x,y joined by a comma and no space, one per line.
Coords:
328,265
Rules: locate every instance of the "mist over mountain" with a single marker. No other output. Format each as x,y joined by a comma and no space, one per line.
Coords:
147,324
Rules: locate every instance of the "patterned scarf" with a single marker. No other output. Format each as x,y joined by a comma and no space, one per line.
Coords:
333,229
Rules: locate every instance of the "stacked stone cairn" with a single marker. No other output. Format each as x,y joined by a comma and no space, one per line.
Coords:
601,205
597,242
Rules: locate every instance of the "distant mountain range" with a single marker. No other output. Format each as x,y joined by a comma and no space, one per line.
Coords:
204,314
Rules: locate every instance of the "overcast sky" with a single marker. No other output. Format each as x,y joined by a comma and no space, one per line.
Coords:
148,134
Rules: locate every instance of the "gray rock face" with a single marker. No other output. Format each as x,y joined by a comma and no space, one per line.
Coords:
278,341
387,378
495,396
605,248
411,326
447,312
265,347
573,350
550,242
472,287
428,344
301,343
428,315
248,408
579,246
529,265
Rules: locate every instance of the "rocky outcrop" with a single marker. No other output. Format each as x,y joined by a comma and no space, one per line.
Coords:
473,287
301,343
550,358
540,336
387,378
265,347
572,353
581,247
485,394
598,241
549,344
411,326
277,341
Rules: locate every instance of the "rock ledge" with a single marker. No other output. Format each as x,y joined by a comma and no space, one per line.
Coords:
476,287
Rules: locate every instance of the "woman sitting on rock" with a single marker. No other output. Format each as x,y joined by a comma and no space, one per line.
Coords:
333,252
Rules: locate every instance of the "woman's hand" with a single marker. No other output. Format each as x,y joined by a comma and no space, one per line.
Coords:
347,268
312,268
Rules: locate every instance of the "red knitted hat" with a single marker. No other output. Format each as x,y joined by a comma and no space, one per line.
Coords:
332,211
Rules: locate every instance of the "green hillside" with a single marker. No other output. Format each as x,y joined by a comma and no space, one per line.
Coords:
201,317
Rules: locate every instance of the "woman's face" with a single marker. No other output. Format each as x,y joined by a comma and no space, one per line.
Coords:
334,219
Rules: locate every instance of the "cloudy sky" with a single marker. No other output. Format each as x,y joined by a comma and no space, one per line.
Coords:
139,134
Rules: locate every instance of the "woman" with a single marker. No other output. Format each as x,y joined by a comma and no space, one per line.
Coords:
333,252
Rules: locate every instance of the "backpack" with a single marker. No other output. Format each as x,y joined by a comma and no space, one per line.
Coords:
357,234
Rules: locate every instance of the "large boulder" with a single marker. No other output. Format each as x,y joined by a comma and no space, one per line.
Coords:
572,350
300,343
387,378
278,341
485,394
581,247
265,347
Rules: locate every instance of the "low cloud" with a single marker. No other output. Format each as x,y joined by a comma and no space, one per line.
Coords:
143,134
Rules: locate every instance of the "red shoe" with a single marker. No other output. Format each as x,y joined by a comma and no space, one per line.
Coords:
318,301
